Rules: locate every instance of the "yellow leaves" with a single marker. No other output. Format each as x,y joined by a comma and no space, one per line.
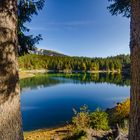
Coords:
122,110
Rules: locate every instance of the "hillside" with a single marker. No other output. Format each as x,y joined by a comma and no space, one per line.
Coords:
52,53
46,52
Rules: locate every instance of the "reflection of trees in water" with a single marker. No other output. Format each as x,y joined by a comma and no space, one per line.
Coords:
10,117
38,82
46,80
112,78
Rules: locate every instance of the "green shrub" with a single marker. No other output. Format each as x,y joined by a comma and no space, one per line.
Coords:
99,120
81,120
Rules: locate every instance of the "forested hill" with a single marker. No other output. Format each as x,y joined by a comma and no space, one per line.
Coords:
65,63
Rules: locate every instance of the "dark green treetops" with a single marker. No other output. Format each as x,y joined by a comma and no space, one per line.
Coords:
26,10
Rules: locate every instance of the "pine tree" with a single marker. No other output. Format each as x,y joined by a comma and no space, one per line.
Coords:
131,8
26,10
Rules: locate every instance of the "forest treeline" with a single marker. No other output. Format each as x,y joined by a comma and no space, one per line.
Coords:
65,63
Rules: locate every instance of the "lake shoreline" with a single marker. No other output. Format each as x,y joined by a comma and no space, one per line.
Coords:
64,131
59,133
32,73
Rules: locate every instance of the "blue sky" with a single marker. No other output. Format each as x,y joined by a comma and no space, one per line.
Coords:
81,28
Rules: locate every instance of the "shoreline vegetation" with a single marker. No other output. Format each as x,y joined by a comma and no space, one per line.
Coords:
32,73
119,79
31,64
23,74
60,133
84,125
67,64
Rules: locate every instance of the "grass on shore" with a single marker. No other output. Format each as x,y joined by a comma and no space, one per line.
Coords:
63,133
23,75
47,134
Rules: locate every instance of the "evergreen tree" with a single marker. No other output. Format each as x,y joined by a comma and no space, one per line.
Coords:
26,10
131,8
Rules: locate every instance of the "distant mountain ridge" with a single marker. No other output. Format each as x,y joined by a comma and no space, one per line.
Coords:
46,52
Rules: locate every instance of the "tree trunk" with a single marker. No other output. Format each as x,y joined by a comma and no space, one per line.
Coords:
10,118
134,128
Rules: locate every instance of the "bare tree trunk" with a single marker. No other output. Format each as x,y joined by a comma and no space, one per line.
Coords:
10,119
134,128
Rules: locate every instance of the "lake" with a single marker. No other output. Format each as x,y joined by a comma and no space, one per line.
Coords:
47,100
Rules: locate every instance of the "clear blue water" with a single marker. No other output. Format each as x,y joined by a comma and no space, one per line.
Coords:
47,100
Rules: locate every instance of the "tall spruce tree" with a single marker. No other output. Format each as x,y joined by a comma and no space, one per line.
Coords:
131,8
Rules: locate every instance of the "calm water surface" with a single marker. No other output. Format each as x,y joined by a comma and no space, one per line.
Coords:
47,100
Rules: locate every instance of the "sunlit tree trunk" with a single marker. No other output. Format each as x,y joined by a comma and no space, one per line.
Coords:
10,119
134,129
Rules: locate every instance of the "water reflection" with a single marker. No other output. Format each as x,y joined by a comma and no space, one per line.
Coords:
38,82
111,78
47,80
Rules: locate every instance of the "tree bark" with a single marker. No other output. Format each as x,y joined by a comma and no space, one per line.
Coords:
134,128
10,118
